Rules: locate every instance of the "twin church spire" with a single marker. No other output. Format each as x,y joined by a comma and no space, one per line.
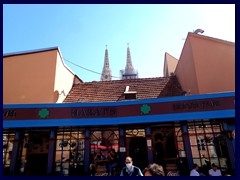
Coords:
128,73
106,72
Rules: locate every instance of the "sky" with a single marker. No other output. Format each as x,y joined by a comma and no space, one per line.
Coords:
82,31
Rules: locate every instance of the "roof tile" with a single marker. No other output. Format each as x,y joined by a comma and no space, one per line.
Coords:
112,91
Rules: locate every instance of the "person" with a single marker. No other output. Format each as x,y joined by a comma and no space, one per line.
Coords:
206,166
153,170
92,170
194,171
100,163
109,148
159,149
214,171
113,161
99,155
130,169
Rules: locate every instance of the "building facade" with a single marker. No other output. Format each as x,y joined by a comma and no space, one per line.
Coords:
150,119
36,76
61,139
206,65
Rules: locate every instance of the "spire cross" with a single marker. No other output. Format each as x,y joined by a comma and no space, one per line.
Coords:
128,44
106,46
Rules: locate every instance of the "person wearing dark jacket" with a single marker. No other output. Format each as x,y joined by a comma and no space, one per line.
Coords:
112,161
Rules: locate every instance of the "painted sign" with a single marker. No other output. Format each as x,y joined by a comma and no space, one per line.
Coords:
127,110
94,112
9,114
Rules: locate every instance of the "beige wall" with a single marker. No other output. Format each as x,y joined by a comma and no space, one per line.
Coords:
206,65
63,80
215,65
170,64
37,77
29,78
185,70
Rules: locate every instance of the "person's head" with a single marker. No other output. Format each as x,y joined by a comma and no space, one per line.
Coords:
153,170
91,166
214,167
195,166
109,148
158,137
112,151
128,162
99,150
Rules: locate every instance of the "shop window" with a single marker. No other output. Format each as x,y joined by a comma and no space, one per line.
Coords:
8,140
200,144
69,151
220,145
208,143
180,143
105,140
164,144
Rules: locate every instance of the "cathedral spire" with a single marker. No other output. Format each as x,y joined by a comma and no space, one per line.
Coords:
129,69
106,72
129,72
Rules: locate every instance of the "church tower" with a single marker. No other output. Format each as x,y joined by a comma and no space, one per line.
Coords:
106,72
129,72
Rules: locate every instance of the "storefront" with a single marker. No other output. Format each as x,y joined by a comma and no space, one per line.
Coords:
61,139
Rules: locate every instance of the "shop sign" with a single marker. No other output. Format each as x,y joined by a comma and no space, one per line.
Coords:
122,149
64,111
8,114
194,105
94,112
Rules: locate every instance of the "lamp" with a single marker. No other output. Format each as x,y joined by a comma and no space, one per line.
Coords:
198,31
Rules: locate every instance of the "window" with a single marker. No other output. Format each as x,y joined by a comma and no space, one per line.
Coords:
8,139
208,144
69,150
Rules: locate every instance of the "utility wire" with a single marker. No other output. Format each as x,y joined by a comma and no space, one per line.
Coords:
87,69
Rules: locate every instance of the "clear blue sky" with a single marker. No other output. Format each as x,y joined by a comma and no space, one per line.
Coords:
82,31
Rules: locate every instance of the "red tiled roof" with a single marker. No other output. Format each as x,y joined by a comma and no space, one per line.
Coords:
112,91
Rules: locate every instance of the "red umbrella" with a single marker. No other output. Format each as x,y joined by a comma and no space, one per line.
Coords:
95,146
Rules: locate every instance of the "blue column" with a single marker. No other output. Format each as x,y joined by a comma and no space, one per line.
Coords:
122,146
232,128
227,130
149,145
15,154
51,152
187,145
87,151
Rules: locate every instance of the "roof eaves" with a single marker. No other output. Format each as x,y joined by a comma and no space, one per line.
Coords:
212,38
30,51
